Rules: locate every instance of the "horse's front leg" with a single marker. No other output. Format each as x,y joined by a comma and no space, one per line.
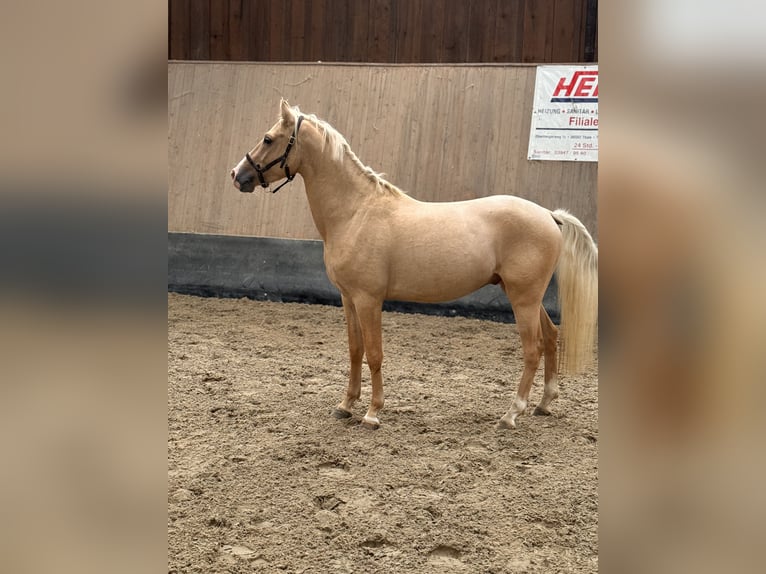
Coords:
356,353
369,311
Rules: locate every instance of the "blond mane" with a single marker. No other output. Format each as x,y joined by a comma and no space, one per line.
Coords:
340,150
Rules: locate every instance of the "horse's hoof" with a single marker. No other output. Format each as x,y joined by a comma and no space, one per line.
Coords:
506,424
341,414
541,412
370,423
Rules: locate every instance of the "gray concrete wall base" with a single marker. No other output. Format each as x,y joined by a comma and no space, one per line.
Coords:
289,270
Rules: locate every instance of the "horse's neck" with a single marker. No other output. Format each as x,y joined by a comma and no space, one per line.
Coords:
336,190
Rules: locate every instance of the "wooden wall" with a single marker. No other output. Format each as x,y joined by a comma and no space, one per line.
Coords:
441,133
384,31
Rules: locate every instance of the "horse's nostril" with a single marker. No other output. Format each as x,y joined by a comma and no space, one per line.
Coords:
233,174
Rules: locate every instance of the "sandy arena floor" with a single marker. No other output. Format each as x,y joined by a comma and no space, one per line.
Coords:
261,478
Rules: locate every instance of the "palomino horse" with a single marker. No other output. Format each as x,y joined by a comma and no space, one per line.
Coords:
379,244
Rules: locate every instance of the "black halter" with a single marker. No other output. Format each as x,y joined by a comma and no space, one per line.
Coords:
281,160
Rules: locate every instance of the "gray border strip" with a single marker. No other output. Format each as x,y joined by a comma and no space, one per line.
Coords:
290,270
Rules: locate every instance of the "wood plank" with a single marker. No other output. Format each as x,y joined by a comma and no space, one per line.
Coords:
219,30
590,32
538,31
316,30
336,35
476,28
486,26
275,31
408,27
567,18
579,33
297,31
249,42
179,29
359,29
199,29
236,31
381,45
255,18
455,43
509,32
432,37
307,56
595,49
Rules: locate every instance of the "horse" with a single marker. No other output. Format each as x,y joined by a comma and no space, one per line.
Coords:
382,244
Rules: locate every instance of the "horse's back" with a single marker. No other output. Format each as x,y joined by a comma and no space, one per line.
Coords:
496,220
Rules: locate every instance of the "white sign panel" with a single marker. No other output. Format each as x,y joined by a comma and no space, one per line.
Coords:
565,114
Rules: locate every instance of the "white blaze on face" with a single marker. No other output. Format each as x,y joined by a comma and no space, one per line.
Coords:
235,171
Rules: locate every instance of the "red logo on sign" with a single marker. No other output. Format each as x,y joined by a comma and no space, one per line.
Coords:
582,84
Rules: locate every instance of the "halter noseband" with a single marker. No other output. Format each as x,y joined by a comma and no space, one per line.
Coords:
281,160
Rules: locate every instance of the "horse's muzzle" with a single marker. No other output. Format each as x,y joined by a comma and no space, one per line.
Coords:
244,183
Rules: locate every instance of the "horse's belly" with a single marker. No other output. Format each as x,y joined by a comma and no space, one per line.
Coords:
428,282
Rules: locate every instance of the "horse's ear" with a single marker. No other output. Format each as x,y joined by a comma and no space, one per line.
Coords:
287,111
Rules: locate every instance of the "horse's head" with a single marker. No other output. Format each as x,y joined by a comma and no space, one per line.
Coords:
275,157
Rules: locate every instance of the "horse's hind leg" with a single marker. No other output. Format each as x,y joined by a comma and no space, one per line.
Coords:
528,324
550,341
356,353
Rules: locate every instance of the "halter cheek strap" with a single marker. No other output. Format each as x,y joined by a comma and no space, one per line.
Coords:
281,160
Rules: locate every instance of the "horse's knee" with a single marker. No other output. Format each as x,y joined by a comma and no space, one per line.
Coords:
374,360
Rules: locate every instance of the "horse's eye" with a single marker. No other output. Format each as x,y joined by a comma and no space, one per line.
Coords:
267,140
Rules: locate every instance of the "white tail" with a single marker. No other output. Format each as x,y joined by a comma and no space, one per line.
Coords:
577,277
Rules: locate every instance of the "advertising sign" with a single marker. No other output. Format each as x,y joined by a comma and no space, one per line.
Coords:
565,114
